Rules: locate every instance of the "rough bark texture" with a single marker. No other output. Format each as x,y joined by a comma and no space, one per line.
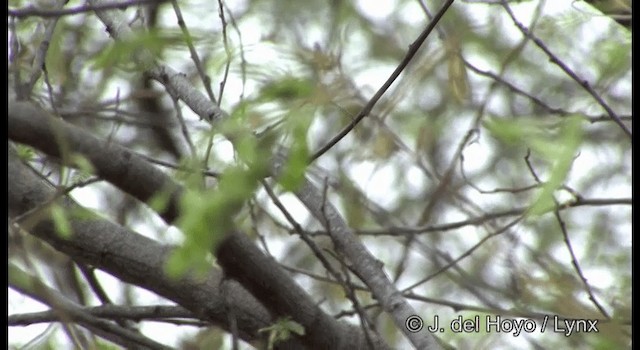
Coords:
140,261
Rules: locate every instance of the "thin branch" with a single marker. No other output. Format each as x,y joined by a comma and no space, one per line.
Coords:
495,190
465,254
170,165
397,231
413,49
61,192
95,285
27,285
32,11
344,282
177,83
41,54
499,79
225,41
157,313
243,61
206,80
576,265
47,82
362,262
183,126
321,278
554,59
567,241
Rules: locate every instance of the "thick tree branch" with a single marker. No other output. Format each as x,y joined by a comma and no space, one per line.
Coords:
66,311
45,132
276,289
134,258
365,265
177,83
116,164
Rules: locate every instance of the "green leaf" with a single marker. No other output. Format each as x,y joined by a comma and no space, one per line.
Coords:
199,236
208,215
556,147
458,80
82,163
57,63
60,221
25,153
514,132
294,327
160,201
124,52
281,331
560,154
292,174
613,58
287,89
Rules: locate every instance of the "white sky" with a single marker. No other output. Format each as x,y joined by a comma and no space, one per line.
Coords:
375,181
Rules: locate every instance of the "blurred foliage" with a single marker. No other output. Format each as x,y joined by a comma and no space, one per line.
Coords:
450,135
25,153
60,220
123,53
558,149
281,331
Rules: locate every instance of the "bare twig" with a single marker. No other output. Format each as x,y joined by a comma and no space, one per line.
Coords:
465,254
225,41
206,80
479,220
32,11
576,265
71,311
413,49
554,59
40,55
344,282
61,192
156,313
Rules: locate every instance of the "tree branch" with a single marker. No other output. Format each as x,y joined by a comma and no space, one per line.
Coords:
134,258
116,164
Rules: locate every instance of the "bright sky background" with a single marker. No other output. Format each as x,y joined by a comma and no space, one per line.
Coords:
374,180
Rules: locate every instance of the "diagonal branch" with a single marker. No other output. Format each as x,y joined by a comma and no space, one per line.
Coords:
413,49
134,258
363,263
124,169
147,274
554,59
66,310
270,284
176,82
